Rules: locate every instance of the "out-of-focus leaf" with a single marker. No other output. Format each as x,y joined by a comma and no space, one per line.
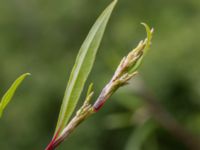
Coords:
82,67
128,101
10,92
151,143
118,120
139,136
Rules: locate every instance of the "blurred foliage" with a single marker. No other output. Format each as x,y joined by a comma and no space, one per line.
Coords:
43,38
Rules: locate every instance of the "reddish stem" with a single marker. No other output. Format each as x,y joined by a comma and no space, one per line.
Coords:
98,104
51,145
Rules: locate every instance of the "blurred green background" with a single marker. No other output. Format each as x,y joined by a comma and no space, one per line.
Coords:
43,37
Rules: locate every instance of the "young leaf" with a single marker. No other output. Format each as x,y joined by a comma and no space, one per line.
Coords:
82,67
10,92
149,33
149,36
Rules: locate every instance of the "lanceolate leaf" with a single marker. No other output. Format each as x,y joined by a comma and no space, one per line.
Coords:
82,67
10,93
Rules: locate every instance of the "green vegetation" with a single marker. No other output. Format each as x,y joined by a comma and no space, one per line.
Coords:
10,92
82,67
160,107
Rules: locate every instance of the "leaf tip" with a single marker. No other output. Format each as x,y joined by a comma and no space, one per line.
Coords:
27,74
149,33
148,29
90,89
146,26
23,76
115,1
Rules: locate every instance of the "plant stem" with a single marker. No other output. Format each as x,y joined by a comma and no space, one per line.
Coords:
124,72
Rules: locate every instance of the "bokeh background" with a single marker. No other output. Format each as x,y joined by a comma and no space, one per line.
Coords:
43,37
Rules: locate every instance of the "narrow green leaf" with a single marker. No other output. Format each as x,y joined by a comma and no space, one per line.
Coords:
10,92
82,67
149,36
148,43
90,88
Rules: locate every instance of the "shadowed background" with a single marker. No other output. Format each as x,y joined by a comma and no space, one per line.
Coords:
43,37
